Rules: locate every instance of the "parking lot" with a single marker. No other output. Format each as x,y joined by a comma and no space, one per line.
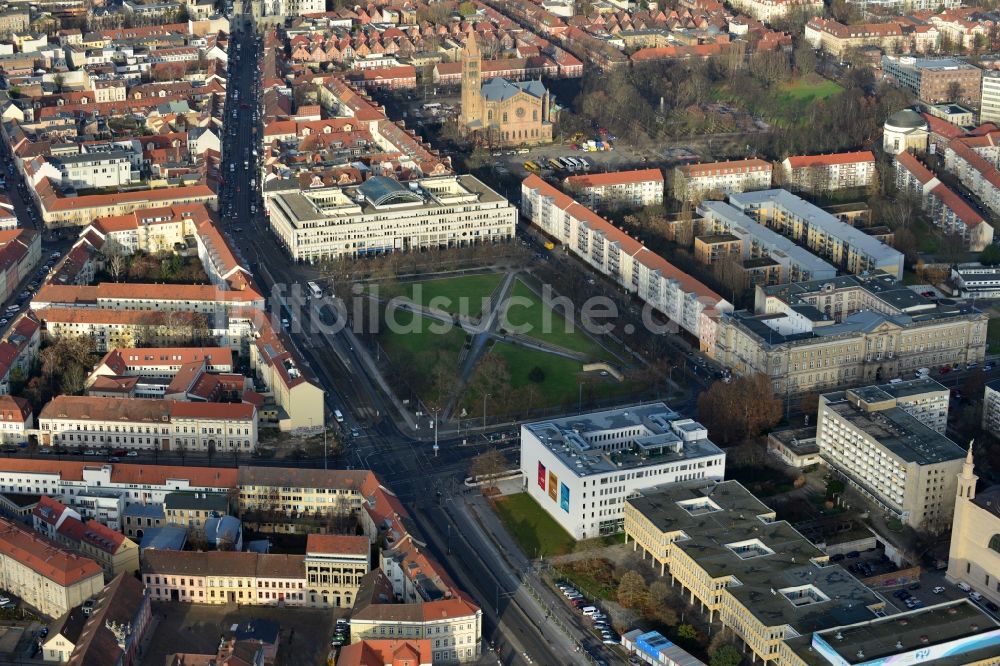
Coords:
305,632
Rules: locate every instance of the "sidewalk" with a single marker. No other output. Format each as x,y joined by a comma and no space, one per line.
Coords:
557,613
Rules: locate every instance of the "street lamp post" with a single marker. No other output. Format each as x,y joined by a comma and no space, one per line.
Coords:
435,426
487,395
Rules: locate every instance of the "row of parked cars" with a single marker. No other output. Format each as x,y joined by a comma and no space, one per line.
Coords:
593,613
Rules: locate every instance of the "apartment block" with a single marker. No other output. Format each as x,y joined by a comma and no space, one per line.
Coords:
383,215
111,329
104,169
174,298
20,251
974,161
101,491
46,576
693,182
131,423
222,577
794,263
768,11
822,174
836,38
192,510
115,552
757,575
276,497
641,187
686,301
711,249
931,79
946,209
453,626
826,334
989,110
991,408
58,211
905,468
580,469
16,419
843,245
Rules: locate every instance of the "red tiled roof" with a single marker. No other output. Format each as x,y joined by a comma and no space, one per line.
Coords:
716,168
337,544
44,557
616,178
154,475
801,161
958,205
909,162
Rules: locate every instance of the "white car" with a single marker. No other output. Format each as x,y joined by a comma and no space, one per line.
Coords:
132,454
938,590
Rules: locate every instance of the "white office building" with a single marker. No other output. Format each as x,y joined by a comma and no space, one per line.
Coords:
582,468
383,215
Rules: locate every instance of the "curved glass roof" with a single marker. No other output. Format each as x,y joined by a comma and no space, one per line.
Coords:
381,190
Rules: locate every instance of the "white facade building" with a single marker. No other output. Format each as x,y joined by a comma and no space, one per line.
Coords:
382,215
693,181
686,301
640,187
581,469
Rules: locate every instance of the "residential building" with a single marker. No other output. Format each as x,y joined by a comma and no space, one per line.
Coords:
991,408
165,229
795,263
115,552
822,174
952,632
138,519
16,419
934,80
173,298
133,423
453,626
502,112
836,38
191,510
221,577
824,334
757,575
20,251
946,209
19,348
641,187
711,249
693,182
111,633
905,468
392,651
989,109
102,491
974,556
687,302
46,576
85,170
905,130
383,215
953,114
335,565
160,362
796,447
973,160
110,329
768,11
265,498
580,469
59,211
840,243
974,280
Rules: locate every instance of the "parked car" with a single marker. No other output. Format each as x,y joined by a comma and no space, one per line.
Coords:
938,590
132,454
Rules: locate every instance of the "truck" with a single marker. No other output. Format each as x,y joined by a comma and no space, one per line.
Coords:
338,415
314,290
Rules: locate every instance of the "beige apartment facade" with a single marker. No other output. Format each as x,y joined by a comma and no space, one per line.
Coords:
44,575
905,468
335,565
693,182
276,497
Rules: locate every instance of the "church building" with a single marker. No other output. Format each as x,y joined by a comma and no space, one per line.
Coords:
502,112
974,558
